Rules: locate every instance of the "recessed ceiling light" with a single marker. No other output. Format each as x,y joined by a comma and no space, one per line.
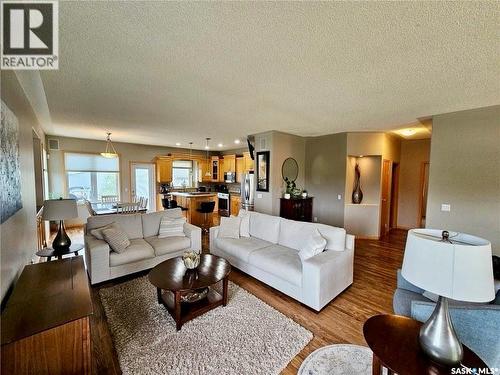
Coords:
237,141
220,145
408,132
177,144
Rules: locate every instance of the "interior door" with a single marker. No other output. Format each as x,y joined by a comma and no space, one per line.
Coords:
142,183
385,197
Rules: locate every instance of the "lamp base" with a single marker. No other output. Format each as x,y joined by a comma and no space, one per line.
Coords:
62,242
438,338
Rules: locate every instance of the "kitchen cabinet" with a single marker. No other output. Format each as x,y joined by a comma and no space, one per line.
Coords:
235,204
247,162
163,169
229,163
240,164
203,168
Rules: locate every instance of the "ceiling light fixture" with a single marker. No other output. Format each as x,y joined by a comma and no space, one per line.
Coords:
110,149
408,132
237,141
208,173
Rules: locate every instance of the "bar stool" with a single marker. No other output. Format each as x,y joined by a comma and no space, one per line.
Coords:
206,208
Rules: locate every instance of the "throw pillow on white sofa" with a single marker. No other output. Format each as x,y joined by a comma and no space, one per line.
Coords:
171,227
97,232
314,245
116,238
229,227
245,223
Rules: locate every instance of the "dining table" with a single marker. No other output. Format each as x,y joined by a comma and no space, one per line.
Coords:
110,208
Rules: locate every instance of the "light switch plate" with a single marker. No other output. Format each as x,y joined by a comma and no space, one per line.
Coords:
339,197
445,207
259,196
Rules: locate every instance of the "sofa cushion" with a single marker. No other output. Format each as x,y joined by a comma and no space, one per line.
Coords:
138,250
116,238
131,224
168,245
229,227
295,234
314,245
265,227
151,222
172,227
242,247
245,223
280,261
97,232
334,236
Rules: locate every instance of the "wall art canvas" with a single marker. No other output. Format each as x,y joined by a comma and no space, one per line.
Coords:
10,174
263,171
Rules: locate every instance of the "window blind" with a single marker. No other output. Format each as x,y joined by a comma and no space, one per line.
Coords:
75,162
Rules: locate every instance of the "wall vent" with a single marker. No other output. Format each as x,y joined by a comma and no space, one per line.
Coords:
53,144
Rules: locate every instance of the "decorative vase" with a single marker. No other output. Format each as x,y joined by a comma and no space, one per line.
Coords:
191,259
357,194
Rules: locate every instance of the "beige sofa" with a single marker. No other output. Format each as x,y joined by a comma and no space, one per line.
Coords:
146,249
270,255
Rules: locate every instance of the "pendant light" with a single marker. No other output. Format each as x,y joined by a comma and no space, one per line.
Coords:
110,149
191,160
207,173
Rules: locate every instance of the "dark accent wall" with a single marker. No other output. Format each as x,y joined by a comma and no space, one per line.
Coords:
325,175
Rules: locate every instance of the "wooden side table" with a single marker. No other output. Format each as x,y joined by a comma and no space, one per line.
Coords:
394,342
49,252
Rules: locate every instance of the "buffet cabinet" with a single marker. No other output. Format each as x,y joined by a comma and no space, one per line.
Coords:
299,209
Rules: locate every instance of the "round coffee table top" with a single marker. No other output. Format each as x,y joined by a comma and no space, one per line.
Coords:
173,275
394,340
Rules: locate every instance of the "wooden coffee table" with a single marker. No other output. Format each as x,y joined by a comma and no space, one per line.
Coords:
175,284
394,342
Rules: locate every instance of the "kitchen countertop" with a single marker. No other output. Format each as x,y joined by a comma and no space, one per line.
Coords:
194,195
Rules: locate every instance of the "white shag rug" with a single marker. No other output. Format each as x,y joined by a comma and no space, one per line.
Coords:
245,337
340,359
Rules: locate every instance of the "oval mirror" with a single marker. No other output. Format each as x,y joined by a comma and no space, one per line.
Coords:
290,169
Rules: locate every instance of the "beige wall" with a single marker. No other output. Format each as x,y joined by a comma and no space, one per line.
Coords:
263,201
465,173
18,233
413,154
325,173
128,152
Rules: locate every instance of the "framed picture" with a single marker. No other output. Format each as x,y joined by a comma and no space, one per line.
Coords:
262,171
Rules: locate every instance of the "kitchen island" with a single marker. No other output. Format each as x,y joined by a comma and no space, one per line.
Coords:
192,201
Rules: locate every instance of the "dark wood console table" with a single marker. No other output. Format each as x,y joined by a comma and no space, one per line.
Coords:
45,323
299,209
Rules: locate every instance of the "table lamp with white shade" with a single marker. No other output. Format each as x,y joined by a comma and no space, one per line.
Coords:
60,210
452,265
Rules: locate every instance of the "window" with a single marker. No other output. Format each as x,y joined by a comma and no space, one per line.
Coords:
90,176
182,173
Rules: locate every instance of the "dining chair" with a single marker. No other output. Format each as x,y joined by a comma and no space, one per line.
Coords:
127,208
89,207
109,198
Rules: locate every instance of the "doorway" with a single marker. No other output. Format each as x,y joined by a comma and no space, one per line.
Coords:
385,198
393,219
142,183
422,194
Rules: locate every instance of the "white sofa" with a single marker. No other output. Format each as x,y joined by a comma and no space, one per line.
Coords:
146,249
270,255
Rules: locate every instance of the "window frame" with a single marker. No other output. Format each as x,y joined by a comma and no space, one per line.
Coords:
66,180
193,178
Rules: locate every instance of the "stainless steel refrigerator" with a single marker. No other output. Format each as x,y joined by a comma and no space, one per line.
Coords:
247,191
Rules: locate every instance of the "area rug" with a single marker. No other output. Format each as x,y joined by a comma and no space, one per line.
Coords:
245,337
341,359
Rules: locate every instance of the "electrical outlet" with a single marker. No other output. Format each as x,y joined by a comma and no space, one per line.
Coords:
339,197
445,207
259,196
315,219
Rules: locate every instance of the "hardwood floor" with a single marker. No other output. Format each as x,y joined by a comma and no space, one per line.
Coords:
341,321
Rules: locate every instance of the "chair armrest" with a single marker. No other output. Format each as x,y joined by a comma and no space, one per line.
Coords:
476,326
96,258
349,241
325,275
403,284
214,232
194,233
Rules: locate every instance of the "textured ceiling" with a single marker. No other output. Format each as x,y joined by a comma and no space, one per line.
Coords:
167,72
